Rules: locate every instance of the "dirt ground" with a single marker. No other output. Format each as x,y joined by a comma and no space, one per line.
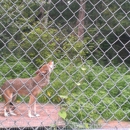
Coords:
48,117
115,125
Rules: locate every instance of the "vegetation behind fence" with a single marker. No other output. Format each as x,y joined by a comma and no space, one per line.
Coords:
89,43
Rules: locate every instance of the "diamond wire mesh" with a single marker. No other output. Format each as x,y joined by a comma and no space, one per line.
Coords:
89,43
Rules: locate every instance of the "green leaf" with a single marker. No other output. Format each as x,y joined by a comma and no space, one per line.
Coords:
86,125
62,113
83,68
63,96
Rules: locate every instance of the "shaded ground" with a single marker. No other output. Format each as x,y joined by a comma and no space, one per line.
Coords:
48,117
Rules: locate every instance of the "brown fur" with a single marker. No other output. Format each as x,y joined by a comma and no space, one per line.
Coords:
26,86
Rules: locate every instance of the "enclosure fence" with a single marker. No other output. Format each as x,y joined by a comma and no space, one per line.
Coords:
89,43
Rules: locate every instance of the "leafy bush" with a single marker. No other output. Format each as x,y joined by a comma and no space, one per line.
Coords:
12,68
42,45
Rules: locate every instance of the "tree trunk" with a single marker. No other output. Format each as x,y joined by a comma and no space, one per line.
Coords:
47,13
44,14
81,18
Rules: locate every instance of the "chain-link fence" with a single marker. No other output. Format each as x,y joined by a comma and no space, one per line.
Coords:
89,42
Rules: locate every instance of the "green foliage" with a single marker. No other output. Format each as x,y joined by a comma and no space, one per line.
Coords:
40,45
14,18
23,31
101,93
58,7
13,68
